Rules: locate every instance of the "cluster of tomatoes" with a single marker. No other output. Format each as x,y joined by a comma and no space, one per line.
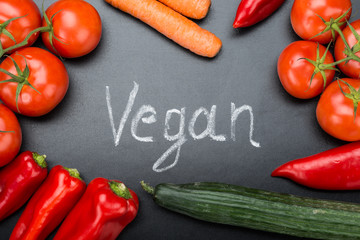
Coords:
307,68
33,81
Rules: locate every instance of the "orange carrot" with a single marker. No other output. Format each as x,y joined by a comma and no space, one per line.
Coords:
172,24
196,9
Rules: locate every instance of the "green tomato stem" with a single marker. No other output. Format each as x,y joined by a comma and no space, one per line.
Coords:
25,41
338,62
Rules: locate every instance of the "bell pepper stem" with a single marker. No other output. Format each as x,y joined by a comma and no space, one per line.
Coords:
73,172
147,188
120,189
40,160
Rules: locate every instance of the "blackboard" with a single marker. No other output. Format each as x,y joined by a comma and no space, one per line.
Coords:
78,132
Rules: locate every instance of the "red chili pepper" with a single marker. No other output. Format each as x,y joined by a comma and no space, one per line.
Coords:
50,204
334,169
19,180
102,213
251,12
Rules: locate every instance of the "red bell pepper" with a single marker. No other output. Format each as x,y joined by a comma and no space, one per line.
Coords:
102,213
19,180
50,204
251,12
334,169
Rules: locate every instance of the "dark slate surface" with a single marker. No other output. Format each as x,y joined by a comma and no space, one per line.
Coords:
78,133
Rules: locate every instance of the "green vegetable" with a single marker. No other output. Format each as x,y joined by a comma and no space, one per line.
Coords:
261,210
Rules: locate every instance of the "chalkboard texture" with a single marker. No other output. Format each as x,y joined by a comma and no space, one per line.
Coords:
165,78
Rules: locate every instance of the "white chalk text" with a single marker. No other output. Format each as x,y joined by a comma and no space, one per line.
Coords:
147,114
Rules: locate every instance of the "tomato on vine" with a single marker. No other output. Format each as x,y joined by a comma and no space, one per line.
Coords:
319,20
347,49
75,28
10,135
33,81
304,70
337,110
17,19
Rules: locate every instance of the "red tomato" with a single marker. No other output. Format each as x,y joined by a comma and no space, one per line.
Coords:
335,111
76,24
21,27
47,74
352,67
295,72
306,22
10,135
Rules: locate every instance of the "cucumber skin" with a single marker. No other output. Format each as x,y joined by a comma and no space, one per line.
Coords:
262,210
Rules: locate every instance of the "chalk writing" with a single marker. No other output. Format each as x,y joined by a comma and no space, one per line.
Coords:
148,120
148,115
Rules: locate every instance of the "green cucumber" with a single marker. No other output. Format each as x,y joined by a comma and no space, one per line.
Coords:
261,210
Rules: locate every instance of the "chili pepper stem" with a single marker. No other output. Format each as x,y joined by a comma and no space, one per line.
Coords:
120,189
40,160
147,188
73,172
